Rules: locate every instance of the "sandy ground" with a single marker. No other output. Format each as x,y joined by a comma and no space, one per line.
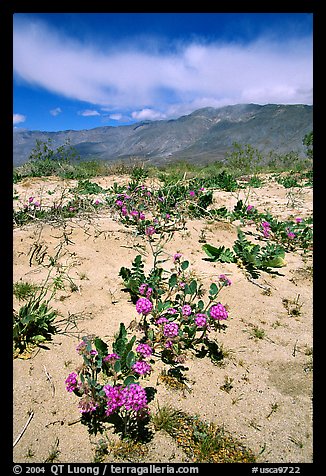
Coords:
268,408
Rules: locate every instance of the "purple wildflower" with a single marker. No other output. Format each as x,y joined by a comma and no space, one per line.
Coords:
71,382
134,398
149,292
161,320
124,211
141,367
144,349
171,310
218,312
142,288
171,329
111,358
200,320
150,230
177,257
81,347
115,398
144,306
168,344
225,280
87,404
186,310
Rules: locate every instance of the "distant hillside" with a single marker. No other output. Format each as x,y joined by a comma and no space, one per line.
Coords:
202,136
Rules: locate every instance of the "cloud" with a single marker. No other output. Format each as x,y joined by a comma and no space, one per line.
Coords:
153,84
89,112
18,118
115,117
56,111
147,114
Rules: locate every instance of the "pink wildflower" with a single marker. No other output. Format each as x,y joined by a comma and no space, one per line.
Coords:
144,349
200,320
218,312
111,358
150,230
186,310
171,329
141,367
87,404
225,280
144,306
71,382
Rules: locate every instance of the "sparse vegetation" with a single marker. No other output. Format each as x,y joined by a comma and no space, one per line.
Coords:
176,320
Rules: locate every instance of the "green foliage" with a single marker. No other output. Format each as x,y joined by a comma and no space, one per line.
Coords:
34,322
223,180
24,290
249,255
243,159
308,141
222,254
45,160
85,187
133,277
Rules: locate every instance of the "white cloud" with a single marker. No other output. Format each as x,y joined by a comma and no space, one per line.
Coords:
152,84
115,117
56,111
147,114
89,112
18,118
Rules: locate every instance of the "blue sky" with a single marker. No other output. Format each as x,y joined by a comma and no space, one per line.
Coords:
79,71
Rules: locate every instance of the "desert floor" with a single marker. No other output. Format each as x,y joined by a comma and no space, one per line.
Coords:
269,405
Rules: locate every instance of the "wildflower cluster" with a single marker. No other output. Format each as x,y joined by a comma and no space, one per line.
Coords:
107,383
163,209
178,319
292,234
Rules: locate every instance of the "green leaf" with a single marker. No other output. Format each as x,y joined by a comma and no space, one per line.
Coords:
130,359
277,262
173,281
213,289
117,366
193,287
130,379
222,254
184,265
200,304
101,346
39,338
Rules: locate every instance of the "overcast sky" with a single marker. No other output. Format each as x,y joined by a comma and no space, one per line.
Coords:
78,71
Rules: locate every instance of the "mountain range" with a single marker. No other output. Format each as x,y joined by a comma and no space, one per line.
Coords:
203,136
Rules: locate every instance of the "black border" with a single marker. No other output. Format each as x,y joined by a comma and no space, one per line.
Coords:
7,10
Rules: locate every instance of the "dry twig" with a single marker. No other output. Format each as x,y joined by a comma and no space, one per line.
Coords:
23,430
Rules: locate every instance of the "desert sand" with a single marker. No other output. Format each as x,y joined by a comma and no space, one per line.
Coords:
269,405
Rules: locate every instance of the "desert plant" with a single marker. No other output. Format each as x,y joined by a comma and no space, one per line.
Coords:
34,322
248,255
44,160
